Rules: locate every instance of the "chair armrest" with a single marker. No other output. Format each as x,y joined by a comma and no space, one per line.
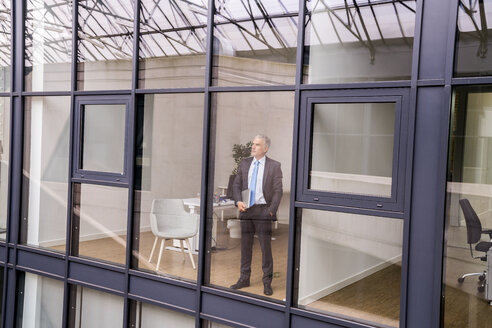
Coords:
487,232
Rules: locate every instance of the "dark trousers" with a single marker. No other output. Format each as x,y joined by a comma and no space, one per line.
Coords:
257,220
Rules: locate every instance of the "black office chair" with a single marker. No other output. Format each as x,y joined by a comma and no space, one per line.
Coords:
474,232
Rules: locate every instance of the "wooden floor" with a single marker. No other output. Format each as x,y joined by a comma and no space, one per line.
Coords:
225,262
373,299
225,259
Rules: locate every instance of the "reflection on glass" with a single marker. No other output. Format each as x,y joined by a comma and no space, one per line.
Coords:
4,162
40,301
5,45
211,324
100,222
93,308
45,168
239,118
167,182
48,45
355,41
350,266
105,47
172,44
352,148
469,208
150,316
251,49
473,39
103,142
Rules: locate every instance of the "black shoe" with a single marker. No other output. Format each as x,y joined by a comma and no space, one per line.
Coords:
267,289
240,284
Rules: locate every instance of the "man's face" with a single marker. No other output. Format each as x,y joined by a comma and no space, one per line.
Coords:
258,149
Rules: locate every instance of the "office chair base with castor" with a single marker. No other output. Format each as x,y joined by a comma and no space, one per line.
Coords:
482,279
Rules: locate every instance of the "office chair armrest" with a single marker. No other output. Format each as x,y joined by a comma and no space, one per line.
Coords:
487,232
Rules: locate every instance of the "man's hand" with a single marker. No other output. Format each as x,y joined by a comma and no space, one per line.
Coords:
241,206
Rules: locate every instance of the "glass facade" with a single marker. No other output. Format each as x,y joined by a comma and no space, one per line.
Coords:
472,39
352,148
365,282
45,171
5,45
105,49
148,316
172,44
94,308
231,239
356,42
99,222
103,138
4,163
40,301
166,192
244,163
468,210
48,45
255,44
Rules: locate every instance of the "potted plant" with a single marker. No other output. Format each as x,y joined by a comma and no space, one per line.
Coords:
239,152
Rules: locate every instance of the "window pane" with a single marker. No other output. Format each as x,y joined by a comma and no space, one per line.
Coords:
469,210
40,300
93,308
255,45
352,148
105,45
239,118
150,316
168,172
211,324
350,266
48,45
100,215
4,162
358,41
172,44
103,143
45,167
5,45
473,37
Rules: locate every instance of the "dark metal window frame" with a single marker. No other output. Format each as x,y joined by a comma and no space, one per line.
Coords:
81,175
430,92
400,97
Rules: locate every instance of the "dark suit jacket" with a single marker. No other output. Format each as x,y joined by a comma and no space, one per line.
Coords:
272,183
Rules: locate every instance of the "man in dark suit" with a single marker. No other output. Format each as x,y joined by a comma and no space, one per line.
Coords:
263,176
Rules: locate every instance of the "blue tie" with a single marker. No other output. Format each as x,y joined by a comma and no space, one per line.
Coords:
252,185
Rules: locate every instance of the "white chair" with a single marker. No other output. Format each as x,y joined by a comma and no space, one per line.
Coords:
170,220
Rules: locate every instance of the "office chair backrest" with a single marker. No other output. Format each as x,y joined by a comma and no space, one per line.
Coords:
473,225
